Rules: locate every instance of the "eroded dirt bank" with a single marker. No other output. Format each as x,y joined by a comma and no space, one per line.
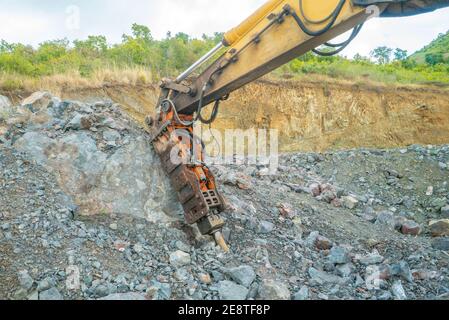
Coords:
312,116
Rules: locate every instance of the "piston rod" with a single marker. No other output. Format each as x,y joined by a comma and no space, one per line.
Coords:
199,63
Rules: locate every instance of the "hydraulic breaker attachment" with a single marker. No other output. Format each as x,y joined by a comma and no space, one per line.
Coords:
183,158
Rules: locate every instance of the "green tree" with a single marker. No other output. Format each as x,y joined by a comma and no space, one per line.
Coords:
382,54
400,54
142,32
434,58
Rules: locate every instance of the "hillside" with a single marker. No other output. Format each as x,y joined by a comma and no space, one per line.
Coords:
437,51
141,59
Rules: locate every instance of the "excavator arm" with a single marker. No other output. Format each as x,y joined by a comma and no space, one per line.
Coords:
276,33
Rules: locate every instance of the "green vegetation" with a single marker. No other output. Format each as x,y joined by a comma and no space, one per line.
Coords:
85,59
435,53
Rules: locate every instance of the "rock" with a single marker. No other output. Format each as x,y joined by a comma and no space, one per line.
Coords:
403,270
386,218
243,275
45,284
345,270
205,278
371,259
229,290
441,244
438,203
398,291
179,259
302,294
37,101
311,239
130,181
339,255
80,122
25,280
51,295
315,189
349,202
4,103
182,246
445,212
410,227
159,291
111,135
324,277
323,243
113,226
130,296
265,227
101,291
429,191
274,290
287,211
439,228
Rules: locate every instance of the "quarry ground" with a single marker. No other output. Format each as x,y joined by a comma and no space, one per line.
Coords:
87,213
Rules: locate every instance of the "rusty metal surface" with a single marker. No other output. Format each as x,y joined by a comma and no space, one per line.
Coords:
197,204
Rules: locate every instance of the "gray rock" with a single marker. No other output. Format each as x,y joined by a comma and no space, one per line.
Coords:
243,275
345,270
265,227
371,259
302,294
439,203
51,295
274,290
37,101
45,284
25,280
80,122
339,255
182,246
159,291
311,239
179,259
387,219
101,290
398,291
111,135
4,103
130,181
324,277
441,244
229,290
130,296
445,212
403,270
349,202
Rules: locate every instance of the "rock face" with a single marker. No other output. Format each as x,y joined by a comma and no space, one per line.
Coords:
110,168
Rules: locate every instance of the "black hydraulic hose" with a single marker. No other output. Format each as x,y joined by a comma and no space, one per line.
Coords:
213,116
333,18
341,46
307,19
354,34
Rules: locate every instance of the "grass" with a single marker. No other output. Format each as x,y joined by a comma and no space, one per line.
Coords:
134,75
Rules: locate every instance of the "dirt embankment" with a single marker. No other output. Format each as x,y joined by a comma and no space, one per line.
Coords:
312,116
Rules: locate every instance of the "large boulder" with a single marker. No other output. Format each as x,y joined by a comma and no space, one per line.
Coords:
124,177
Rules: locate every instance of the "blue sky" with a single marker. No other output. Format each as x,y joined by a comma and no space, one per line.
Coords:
34,21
